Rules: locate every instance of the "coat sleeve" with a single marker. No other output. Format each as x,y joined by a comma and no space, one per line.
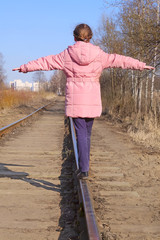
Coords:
120,61
44,63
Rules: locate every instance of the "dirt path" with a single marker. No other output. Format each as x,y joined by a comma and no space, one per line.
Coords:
33,182
125,181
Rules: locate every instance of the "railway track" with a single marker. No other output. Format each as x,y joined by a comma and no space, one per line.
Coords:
121,195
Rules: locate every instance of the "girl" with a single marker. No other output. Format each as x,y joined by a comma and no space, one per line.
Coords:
82,63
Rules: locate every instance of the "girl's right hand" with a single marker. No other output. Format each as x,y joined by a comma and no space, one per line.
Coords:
16,69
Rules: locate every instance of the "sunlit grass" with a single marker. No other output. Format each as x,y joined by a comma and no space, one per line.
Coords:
11,98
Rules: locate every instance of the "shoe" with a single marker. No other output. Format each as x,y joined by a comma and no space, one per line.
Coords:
82,175
77,171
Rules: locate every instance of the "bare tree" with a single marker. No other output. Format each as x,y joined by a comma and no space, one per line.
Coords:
134,31
58,82
2,72
155,56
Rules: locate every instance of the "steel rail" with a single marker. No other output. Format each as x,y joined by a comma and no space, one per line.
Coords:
12,125
92,227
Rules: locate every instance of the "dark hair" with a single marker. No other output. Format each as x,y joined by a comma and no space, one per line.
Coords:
82,32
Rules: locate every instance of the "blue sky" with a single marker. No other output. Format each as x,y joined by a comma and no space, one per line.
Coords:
35,28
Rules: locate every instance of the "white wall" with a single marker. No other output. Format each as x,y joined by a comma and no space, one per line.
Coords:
19,85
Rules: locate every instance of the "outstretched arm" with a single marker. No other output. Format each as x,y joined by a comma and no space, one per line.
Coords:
44,64
120,61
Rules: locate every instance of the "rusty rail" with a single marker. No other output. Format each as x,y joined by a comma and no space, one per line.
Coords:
92,227
12,125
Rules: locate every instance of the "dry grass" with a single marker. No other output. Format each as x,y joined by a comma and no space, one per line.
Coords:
10,98
150,139
147,133
143,127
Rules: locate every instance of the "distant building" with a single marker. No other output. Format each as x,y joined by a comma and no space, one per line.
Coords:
35,87
27,86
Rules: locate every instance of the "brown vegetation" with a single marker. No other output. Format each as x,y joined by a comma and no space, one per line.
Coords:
15,105
10,98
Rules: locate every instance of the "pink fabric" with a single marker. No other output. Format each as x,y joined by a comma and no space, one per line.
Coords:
82,63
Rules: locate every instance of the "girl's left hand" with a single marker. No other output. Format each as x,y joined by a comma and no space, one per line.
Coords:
149,68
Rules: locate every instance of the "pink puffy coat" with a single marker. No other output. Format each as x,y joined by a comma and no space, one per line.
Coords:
83,64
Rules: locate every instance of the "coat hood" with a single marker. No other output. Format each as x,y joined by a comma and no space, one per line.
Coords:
83,53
